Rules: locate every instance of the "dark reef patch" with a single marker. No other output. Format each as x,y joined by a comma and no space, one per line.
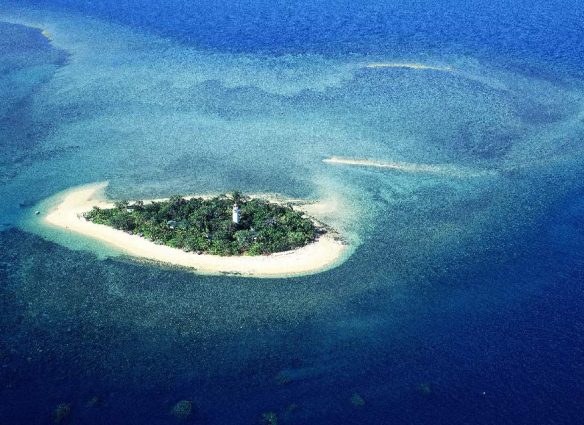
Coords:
26,56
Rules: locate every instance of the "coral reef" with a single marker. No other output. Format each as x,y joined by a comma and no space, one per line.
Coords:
92,402
283,378
61,413
182,410
269,418
425,389
357,400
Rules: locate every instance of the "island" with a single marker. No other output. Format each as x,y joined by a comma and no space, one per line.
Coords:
221,225
259,235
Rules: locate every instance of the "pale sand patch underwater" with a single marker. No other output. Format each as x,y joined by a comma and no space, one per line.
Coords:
407,167
67,215
47,35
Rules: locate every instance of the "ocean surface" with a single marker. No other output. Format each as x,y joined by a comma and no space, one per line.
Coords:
463,302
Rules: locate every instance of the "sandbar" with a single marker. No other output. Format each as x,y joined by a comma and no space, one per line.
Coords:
417,66
408,167
66,214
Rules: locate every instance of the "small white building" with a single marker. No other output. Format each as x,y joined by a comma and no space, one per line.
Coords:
236,215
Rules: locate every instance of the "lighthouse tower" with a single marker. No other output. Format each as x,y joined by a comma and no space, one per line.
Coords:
236,215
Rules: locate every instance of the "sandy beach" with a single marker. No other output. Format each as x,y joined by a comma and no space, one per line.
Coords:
327,252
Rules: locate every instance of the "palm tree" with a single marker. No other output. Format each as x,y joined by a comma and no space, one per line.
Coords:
237,196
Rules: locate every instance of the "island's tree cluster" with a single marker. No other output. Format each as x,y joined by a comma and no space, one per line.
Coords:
205,225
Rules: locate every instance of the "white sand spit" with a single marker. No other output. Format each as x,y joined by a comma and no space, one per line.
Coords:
407,167
416,66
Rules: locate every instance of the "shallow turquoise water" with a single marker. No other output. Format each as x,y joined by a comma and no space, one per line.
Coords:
468,285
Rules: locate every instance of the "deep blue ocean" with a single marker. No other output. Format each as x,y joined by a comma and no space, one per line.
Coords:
463,302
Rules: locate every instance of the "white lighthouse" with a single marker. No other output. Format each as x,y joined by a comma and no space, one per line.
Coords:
236,215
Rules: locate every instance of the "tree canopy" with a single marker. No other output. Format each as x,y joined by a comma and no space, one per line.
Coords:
205,225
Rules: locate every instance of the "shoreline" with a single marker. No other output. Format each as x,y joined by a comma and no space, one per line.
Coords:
65,215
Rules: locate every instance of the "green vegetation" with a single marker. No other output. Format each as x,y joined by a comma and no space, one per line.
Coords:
205,225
